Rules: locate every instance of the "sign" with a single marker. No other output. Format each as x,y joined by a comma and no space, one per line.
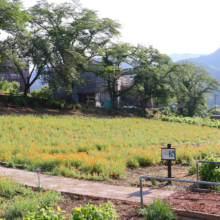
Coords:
168,153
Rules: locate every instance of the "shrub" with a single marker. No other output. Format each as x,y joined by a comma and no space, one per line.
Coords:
210,171
43,93
157,210
45,214
165,112
73,106
78,106
35,104
155,111
192,169
8,87
103,212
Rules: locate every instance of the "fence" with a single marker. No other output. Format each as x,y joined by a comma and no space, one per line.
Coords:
171,179
197,168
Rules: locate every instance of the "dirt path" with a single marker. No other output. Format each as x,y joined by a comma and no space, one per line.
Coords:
83,187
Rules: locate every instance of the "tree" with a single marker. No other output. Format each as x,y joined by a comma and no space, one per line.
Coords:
26,51
75,35
151,69
12,21
12,17
108,67
191,84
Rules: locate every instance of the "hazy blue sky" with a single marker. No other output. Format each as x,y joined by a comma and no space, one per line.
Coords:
172,26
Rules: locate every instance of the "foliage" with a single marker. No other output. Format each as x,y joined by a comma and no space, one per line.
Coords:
194,121
155,111
75,35
192,168
151,70
44,93
215,112
19,200
157,210
191,84
210,171
98,148
103,212
45,214
24,50
12,16
78,106
164,112
8,87
108,67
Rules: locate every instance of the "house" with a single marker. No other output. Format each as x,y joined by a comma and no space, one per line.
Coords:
94,90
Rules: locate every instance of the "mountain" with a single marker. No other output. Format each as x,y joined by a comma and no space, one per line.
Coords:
211,59
184,56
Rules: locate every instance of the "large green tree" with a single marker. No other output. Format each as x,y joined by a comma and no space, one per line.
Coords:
75,35
26,53
12,21
12,16
109,67
151,69
191,84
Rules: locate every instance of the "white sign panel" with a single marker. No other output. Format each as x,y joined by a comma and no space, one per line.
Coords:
168,153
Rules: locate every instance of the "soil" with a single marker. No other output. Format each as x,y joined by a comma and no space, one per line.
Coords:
205,201
125,210
131,177
92,111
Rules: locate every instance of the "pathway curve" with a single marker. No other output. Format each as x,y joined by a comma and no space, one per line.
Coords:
84,187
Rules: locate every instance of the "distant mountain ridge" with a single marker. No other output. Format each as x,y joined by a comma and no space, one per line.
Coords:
212,59
177,57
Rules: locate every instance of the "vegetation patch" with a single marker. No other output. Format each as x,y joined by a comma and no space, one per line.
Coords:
92,148
16,200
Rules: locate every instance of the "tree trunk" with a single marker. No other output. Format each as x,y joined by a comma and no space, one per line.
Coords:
143,104
26,90
69,98
114,102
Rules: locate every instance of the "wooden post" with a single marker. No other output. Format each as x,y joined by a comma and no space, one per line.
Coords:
169,167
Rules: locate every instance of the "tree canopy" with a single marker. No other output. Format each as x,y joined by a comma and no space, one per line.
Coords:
75,35
191,84
151,70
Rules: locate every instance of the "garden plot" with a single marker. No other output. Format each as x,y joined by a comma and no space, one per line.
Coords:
98,148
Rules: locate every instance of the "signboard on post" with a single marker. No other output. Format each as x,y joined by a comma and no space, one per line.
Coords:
168,153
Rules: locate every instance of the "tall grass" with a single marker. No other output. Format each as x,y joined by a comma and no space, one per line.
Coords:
92,148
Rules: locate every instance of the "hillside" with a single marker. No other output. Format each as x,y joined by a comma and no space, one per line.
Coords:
177,57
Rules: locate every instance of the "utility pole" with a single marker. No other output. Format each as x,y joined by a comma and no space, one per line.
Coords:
215,102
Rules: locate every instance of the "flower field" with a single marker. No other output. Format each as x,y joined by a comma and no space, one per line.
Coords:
98,148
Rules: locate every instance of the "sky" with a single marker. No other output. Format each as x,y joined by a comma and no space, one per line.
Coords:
171,26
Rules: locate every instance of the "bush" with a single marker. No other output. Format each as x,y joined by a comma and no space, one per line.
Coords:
217,112
210,171
192,169
78,106
43,93
164,112
8,87
157,210
35,104
155,111
103,212
45,214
